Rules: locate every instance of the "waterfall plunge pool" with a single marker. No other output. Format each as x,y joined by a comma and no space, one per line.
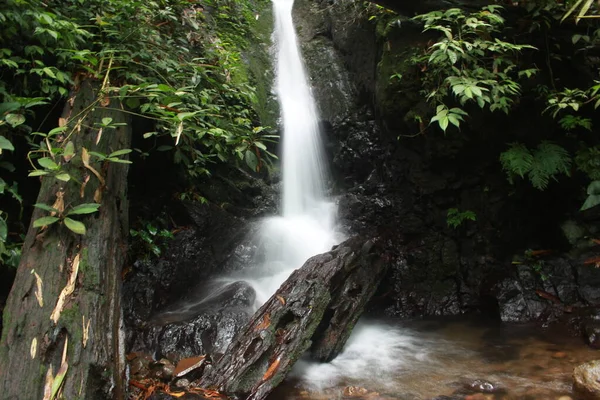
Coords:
440,359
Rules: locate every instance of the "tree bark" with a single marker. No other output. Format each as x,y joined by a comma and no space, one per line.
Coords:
43,336
317,305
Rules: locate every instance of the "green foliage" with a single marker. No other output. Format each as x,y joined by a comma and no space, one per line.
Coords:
582,7
593,192
149,240
571,122
470,63
57,215
588,161
540,165
173,62
455,218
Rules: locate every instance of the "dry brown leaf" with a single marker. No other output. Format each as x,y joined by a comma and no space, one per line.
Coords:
64,354
178,132
85,158
281,300
105,101
62,122
67,290
592,260
48,383
187,365
264,324
59,204
78,125
86,331
39,285
271,370
99,136
86,179
98,195
33,348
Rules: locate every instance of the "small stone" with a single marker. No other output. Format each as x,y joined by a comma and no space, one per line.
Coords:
182,383
353,391
565,398
586,379
481,385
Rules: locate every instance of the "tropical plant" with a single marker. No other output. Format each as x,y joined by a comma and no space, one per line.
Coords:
470,63
540,165
455,218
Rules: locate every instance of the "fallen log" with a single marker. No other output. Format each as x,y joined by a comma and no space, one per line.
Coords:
318,305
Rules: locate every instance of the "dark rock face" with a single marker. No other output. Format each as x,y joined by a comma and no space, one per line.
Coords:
400,184
173,307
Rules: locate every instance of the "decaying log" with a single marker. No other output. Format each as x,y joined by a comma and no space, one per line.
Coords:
318,305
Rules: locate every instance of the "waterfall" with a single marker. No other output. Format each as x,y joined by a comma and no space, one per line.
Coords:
306,224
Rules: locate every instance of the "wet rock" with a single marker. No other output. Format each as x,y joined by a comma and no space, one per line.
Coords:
182,383
586,380
482,386
218,318
591,332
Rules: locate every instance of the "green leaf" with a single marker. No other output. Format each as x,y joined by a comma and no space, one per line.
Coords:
63,177
118,160
69,151
48,163
132,102
260,145
38,172
186,115
106,121
444,123
87,208
120,152
57,130
5,144
15,119
45,207
594,188
49,72
251,160
75,226
3,230
38,223
591,201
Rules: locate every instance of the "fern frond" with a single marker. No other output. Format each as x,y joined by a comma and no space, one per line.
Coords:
549,160
517,159
538,175
552,158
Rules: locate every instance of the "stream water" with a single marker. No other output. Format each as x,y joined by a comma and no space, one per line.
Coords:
419,360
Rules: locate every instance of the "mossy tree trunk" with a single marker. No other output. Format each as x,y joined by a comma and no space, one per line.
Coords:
43,336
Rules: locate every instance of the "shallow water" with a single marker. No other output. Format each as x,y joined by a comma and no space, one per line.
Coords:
414,360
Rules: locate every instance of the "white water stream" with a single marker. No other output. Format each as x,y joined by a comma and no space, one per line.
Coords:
307,224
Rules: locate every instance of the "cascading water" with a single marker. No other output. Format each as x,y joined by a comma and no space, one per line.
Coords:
306,226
